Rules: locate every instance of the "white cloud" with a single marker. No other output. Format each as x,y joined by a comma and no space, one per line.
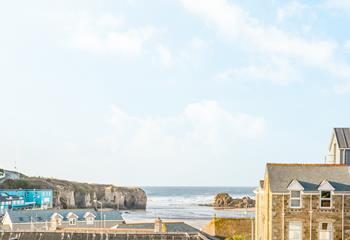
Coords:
293,8
235,25
109,21
281,73
203,129
197,43
165,55
347,45
342,5
342,88
105,35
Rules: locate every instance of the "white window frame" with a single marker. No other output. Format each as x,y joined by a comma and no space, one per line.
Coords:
326,199
295,198
72,221
299,223
90,220
320,230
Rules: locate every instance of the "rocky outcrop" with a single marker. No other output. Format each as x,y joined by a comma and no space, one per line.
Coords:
69,194
224,200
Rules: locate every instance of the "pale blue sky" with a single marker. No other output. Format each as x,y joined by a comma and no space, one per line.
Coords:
154,92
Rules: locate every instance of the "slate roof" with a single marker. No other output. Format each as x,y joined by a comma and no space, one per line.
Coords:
171,227
310,176
23,216
343,137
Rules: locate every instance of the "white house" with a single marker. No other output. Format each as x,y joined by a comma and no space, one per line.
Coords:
339,147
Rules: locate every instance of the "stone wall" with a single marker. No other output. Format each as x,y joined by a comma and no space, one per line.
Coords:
228,227
310,211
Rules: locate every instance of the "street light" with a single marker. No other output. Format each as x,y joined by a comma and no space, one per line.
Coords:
98,202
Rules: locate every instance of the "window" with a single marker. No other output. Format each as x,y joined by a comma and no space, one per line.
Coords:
295,199
72,221
295,231
347,157
89,220
326,199
326,231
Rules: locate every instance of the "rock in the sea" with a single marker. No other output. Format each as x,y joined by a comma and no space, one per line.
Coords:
224,200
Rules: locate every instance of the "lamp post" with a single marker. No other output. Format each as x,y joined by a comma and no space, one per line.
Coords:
95,201
118,202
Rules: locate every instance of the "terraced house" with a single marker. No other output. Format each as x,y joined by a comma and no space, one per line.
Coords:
56,219
303,201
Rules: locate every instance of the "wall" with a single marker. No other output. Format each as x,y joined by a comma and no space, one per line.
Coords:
228,227
310,211
335,155
93,236
263,211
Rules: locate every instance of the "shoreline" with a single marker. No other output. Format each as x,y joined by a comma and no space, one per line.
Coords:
249,209
252,209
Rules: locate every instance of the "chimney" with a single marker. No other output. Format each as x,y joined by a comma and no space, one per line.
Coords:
158,225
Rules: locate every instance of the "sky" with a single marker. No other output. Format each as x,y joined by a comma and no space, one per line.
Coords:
170,93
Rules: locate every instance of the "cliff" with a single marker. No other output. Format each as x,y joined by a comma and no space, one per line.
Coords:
69,194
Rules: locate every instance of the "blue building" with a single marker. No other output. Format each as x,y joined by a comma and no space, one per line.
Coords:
25,198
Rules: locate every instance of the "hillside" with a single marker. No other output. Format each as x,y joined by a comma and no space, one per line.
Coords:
68,194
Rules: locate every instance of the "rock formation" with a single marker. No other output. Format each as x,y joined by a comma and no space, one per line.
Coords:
69,194
224,200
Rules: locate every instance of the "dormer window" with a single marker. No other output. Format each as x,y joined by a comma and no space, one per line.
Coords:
57,219
326,190
90,221
326,199
295,199
72,218
89,218
72,221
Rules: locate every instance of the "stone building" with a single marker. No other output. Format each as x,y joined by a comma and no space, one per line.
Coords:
303,201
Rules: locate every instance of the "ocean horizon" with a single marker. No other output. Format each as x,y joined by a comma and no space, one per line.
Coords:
186,203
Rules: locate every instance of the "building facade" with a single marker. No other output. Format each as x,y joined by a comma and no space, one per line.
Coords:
51,220
25,198
339,147
303,201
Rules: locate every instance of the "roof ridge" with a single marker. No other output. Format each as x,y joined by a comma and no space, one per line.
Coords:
307,164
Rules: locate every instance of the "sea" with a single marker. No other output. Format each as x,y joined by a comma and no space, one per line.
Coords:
186,204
